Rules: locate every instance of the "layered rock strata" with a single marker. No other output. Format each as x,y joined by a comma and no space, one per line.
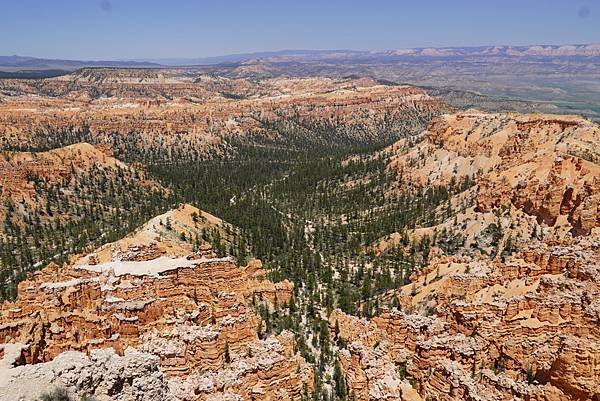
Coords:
513,314
150,293
141,111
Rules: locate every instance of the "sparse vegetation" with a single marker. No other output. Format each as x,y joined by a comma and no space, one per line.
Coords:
58,394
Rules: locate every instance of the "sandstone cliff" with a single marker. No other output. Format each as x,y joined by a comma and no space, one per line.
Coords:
543,166
517,323
166,114
151,293
526,328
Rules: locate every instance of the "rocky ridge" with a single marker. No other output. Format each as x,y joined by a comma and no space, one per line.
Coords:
525,328
150,297
178,112
543,166
67,200
63,167
519,322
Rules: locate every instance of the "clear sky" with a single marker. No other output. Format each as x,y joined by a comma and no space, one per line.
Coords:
130,29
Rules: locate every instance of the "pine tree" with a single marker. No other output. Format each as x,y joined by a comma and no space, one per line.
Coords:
226,355
340,382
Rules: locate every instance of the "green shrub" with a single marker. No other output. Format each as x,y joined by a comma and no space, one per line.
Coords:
58,394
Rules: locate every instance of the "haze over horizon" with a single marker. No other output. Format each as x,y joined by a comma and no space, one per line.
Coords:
127,30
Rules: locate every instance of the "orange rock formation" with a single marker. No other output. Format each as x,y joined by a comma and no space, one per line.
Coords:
149,291
172,110
475,326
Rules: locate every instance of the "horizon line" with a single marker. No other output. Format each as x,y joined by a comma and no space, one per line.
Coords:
149,59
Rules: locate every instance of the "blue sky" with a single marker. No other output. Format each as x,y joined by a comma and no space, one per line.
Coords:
129,29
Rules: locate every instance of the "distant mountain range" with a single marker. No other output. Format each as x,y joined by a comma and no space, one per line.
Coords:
585,50
29,64
22,63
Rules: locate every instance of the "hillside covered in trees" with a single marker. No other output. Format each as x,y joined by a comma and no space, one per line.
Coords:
407,251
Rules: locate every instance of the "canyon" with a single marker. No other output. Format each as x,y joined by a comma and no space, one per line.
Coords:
179,234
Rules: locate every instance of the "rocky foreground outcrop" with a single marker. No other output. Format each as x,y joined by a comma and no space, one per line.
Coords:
526,328
103,373
512,315
156,296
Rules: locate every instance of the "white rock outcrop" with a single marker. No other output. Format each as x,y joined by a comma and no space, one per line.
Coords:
103,374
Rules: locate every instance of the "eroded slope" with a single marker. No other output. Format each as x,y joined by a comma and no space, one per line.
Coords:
513,312
157,115
156,296
56,203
